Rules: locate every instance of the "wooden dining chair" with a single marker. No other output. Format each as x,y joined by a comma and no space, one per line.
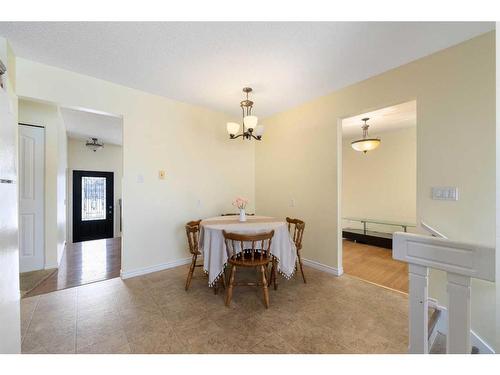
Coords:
193,234
296,229
241,255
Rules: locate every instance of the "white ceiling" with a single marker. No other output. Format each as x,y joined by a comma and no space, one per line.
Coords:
85,125
208,63
392,118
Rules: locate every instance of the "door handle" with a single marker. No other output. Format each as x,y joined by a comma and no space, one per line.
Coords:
6,181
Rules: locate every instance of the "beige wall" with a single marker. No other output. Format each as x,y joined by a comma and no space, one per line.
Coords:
49,116
455,93
381,184
107,159
204,169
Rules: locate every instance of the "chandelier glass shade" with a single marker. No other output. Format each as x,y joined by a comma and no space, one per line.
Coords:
251,128
365,144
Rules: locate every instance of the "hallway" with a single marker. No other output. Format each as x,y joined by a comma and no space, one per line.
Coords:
84,263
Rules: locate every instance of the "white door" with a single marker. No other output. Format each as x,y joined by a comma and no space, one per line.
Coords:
31,198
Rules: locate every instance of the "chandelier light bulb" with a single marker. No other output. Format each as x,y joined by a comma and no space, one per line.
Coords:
233,128
250,122
259,131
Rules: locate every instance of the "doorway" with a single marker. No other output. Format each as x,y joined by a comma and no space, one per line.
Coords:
378,192
93,205
81,197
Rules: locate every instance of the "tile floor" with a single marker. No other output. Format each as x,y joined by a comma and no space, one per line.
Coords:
153,314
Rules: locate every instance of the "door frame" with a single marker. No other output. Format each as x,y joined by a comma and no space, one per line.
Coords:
77,205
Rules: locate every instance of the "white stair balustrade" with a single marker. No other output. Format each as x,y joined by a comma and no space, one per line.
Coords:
461,261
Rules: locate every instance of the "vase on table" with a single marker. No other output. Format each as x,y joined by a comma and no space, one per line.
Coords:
243,216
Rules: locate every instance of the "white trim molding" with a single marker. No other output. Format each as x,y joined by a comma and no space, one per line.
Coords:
323,267
159,267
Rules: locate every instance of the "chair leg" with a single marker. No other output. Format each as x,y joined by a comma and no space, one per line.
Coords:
271,274
191,271
264,286
224,280
229,293
301,268
216,287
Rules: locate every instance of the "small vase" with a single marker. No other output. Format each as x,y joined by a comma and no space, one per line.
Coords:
243,216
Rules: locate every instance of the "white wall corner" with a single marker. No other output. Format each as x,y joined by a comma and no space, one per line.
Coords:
159,267
323,267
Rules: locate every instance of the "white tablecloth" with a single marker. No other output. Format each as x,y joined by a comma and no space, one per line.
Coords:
214,250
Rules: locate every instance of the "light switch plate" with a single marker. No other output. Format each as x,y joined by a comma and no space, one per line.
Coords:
445,193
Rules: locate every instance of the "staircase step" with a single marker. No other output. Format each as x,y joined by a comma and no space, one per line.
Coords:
434,315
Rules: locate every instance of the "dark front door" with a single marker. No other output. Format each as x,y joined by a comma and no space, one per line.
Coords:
92,205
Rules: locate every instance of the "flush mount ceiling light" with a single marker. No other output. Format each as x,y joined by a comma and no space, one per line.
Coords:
250,127
365,144
94,144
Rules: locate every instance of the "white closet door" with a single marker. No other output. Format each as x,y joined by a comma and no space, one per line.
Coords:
31,198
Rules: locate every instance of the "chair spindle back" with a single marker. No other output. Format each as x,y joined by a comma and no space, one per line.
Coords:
235,242
298,230
193,232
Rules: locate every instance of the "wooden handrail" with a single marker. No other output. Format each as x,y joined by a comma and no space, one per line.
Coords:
461,261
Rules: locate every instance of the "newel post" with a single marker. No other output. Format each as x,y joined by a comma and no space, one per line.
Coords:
459,314
418,309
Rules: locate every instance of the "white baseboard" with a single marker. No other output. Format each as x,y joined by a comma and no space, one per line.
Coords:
442,327
155,268
323,267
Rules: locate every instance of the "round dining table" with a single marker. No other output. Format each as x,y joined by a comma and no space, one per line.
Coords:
213,247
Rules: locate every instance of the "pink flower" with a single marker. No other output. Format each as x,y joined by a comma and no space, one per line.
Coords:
240,203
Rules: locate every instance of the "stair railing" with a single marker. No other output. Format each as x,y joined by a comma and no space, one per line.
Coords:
461,262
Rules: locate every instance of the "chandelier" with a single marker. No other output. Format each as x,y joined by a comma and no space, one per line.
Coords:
94,144
365,144
250,127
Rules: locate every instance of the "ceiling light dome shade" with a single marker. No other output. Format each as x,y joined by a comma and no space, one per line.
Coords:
250,122
94,144
233,128
365,145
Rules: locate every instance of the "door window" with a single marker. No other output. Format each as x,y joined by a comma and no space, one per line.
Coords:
93,198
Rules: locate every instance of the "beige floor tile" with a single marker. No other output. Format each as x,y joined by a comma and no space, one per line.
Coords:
94,330
154,314
28,306
54,340
155,340
273,344
113,344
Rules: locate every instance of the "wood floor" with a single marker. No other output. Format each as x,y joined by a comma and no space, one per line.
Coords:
375,264
84,263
